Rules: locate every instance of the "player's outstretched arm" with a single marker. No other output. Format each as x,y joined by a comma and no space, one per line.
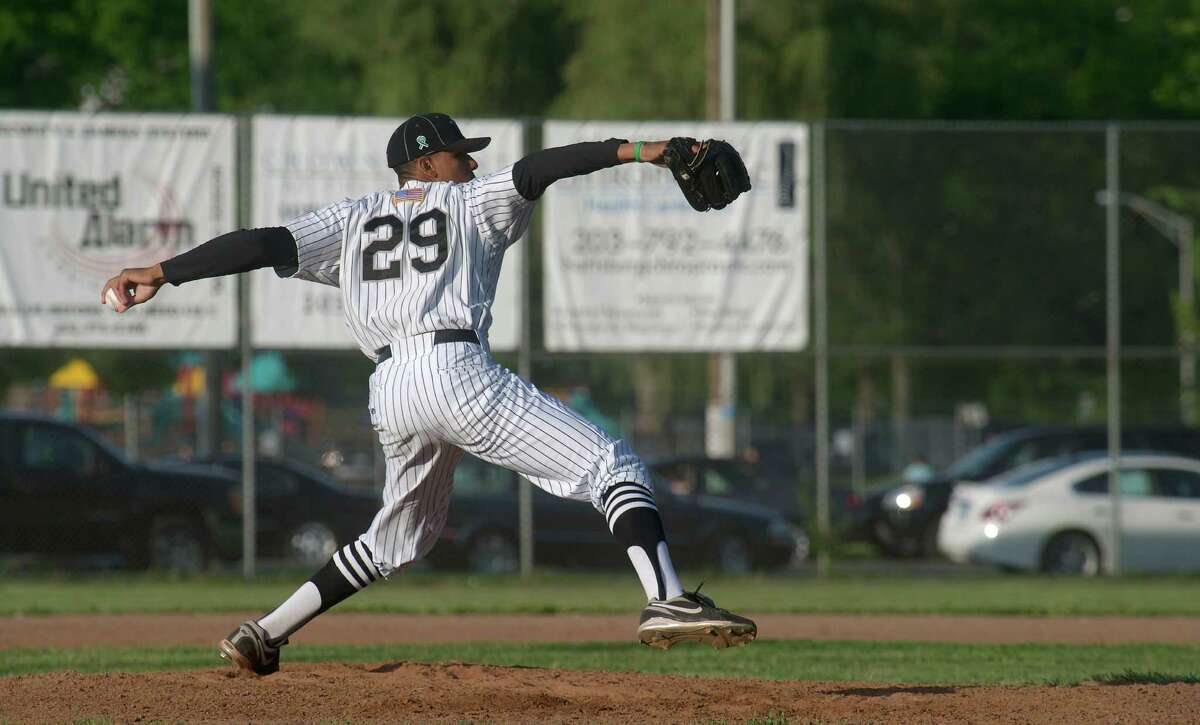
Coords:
710,173
231,253
533,174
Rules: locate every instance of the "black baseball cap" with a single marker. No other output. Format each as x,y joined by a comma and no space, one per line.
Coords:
426,134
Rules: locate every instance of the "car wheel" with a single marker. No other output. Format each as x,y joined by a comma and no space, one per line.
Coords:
312,543
177,545
732,554
908,547
1071,552
891,543
492,552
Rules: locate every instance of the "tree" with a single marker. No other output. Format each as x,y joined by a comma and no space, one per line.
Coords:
1178,88
407,57
64,54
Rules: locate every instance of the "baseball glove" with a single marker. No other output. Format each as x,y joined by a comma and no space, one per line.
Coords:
710,178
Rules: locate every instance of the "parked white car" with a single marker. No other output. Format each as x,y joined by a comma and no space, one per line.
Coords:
1055,516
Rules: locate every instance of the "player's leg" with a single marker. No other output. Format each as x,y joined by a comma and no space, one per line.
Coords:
503,419
419,476
254,644
415,501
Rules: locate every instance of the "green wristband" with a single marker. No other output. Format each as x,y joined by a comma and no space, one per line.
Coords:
637,151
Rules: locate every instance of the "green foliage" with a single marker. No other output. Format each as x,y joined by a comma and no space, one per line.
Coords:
266,61
1019,59
406,57
1179,86
1010,59
882,57
636,60
989,234
45,49
22,366
132,371
146,44
781,60
116,54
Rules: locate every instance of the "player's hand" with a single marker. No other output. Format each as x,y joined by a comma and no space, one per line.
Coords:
133,286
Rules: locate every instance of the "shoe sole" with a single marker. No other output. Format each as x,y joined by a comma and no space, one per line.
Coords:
719,634
229,652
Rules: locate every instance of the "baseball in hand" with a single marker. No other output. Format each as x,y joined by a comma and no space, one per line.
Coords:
111,298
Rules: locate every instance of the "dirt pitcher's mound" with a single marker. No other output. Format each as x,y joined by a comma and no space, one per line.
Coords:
408,692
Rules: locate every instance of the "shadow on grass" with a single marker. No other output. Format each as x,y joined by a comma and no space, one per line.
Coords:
893,690
1132,677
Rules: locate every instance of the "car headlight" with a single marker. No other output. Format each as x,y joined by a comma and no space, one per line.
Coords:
905,498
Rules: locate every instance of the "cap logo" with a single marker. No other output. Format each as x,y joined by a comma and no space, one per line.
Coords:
422,144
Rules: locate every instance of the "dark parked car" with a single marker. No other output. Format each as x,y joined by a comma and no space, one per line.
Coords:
731,478
902,519
67,493
704,531
774,485
302,514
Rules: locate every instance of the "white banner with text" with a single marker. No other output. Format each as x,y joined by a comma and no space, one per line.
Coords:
302,163
86,195
630,266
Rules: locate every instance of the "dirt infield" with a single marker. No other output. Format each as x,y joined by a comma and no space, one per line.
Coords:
407,692
164,630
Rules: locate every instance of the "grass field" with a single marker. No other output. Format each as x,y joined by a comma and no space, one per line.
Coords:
884,662
614,593
916,663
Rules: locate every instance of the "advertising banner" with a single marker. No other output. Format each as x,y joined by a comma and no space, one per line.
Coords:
630,266
302,163
86,195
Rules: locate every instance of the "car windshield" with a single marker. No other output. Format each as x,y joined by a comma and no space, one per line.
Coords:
1032,471
974,464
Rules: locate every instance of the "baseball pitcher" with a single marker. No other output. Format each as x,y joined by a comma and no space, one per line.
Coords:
417,268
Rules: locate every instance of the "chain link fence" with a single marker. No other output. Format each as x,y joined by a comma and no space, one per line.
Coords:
966,296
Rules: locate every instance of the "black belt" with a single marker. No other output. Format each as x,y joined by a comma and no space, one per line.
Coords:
439,337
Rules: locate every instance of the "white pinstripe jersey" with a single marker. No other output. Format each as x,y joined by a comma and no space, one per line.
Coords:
426,257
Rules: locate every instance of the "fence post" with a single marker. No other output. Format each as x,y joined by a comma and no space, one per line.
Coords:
249,528
525,370
820,347
1113,280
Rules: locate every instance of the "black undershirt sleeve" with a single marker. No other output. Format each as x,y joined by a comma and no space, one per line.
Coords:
534,173
231,253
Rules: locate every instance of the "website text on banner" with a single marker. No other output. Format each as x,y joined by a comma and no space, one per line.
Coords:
85,194
305,162
631,266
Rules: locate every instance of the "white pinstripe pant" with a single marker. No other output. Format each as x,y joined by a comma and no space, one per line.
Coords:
429,403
